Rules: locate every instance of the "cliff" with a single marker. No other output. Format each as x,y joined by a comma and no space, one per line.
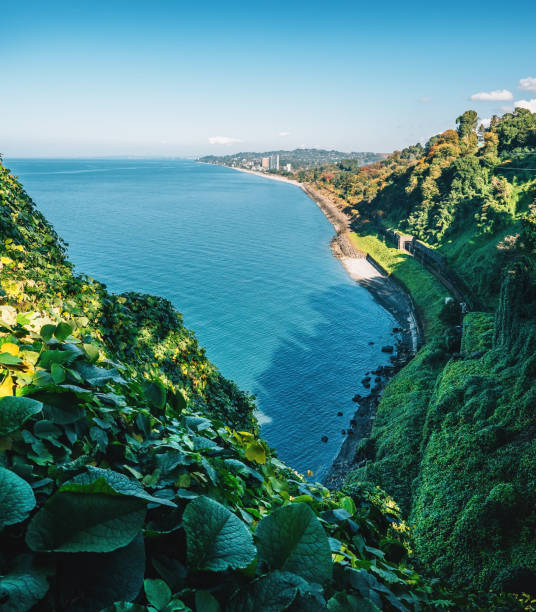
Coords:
132,476
453,439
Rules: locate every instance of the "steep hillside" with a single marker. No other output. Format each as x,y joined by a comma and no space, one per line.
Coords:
132,476
454,437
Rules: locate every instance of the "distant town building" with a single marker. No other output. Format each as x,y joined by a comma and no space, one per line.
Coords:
274,162
266,163
288,167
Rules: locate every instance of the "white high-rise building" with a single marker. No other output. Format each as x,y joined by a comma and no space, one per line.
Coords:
274,162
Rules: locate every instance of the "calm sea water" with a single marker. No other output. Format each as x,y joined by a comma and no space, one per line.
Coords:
247,261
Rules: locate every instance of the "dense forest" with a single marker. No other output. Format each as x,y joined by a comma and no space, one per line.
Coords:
132,474
454,439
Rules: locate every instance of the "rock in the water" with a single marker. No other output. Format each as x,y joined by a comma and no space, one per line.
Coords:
339,413
388,349
324,438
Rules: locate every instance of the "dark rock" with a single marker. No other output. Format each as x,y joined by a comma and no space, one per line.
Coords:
377,379
366,380
388,349
396,330
324,438
357,397
370,342
350,432
343,432
353,423
339,413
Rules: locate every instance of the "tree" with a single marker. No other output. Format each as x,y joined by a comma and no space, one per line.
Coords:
467,124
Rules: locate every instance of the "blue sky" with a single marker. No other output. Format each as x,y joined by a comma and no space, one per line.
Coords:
172,78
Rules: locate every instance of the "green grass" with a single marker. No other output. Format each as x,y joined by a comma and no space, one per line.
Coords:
427,292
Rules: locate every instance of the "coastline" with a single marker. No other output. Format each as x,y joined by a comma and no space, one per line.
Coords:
392,296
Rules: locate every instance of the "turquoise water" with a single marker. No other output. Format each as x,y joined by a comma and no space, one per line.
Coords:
247,261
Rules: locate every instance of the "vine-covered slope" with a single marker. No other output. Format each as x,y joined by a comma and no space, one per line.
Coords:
132,476
454,437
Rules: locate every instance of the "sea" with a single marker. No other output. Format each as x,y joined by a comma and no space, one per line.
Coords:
247,261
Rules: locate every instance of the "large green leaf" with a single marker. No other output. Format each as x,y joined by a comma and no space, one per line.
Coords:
271,593
346,602
98,376
9,359
155,393
93,519
22,587
17,498
157,592
91,582
206,601
63,331
61,405
292,539
14,411
56,356
216,539
47,331
118,482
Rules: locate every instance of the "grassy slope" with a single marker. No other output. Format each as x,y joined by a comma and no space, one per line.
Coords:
426,290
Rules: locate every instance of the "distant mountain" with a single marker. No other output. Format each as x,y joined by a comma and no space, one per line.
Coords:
298,158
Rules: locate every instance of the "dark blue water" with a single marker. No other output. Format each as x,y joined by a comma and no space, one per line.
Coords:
247,261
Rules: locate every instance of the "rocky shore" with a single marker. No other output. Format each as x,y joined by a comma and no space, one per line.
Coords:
393,297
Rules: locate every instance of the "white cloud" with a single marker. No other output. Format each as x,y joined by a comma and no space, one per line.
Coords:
425,100
528,84
530,104
486,122
284,134
223,140
498,95
507,108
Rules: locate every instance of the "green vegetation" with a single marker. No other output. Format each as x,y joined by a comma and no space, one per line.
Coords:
299,159
453,440
132,476
427,292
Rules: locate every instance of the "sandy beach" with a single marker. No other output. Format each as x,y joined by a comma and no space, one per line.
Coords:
273,177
